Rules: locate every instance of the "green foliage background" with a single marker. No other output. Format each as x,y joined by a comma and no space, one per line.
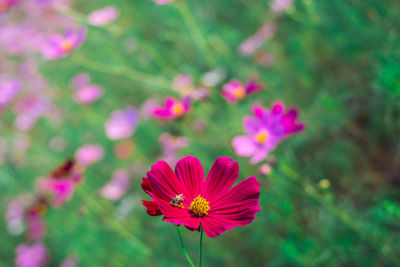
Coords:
337,60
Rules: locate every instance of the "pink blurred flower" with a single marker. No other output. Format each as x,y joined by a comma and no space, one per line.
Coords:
280,5
122,123
265,130
183,83
89,154
7,4
62,189
104,16
235,90
36,228
34,255
163,2
9,88
70,261
117,187
170,147
28,111
253,43
61,182
172,109
85,92
59,46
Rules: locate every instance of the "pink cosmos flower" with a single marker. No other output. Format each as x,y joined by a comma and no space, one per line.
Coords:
89,154
117,187
34,255
235,90
85,92
185,197
163,2
122,123
265,130
59,46
104,16
172,109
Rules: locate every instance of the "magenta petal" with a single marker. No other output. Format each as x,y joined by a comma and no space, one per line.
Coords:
237,207
244,146
177,215
221,177
164,181
278,108
191,174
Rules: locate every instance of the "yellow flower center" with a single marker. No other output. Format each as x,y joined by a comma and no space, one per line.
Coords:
178,109
239,92
67,45
199,206
262,137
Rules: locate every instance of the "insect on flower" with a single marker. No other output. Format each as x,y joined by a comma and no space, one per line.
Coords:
177,200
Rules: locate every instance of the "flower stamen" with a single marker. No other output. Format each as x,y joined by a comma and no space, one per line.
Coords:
199,206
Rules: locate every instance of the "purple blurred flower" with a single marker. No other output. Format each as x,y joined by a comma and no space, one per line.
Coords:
265,130
253,43
172,109
104,16
59,46
89,154
122,123
117,187
85,92
235,90
34,255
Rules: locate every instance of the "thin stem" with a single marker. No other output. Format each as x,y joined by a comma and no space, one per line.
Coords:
201,246
183,248
144,78
196,32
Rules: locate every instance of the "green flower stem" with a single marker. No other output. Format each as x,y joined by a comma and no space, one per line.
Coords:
183,248
201,246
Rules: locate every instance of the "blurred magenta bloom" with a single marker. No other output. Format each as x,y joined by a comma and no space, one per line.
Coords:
7,4
185,197
122,123
253,43
85,92
235,91
163,2
9,88
172,109
59,46
104,16
117,187
34,255
61,182
265,130
89,154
